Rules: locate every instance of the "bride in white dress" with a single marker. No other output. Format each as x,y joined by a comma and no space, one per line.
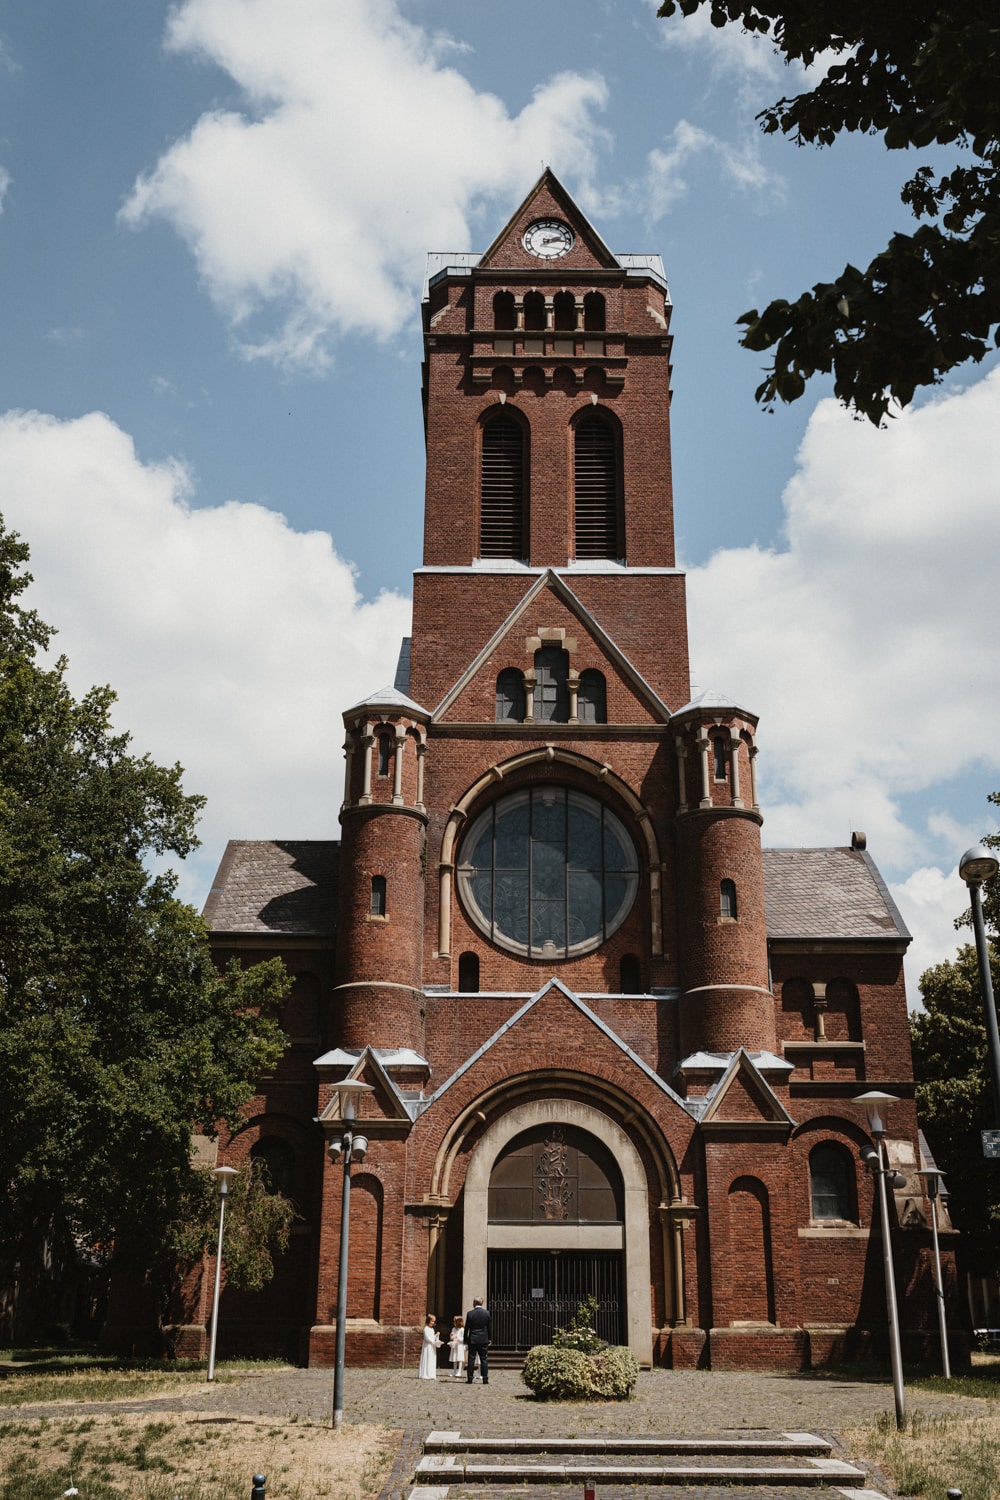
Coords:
428,1354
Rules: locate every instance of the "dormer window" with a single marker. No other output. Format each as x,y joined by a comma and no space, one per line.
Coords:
510,703
551,691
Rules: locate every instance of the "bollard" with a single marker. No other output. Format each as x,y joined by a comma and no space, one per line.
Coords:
954,1495
588,1489
257,1493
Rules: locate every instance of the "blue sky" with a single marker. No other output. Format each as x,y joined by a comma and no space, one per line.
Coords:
211,245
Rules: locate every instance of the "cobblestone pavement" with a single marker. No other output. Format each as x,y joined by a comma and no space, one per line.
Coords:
666,1402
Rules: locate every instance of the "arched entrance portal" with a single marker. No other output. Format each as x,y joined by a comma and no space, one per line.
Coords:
554,1177
556,1208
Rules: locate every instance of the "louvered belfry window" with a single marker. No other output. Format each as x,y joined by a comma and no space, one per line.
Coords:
596,490
501,500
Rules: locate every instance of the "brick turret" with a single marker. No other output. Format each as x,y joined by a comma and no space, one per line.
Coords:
726,998
381,895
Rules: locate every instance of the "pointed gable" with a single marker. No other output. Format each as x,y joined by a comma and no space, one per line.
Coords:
743,1098
550,613
548,200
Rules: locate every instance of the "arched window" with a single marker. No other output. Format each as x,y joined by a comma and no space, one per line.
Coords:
551,692
720,757
503,310
468,973
595,489
384,754
547,872
727,899
510,695
592,698
377,907
534,311
831,1181
593,312
277,1164
630,974
501,495
564,305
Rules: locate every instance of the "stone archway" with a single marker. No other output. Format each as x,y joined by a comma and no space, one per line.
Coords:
632,1235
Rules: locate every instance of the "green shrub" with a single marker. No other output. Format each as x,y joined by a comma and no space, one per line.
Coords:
563,1374
580,1334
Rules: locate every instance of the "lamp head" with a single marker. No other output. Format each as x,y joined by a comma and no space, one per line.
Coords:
876,1105
933,1181
978,864
359,1148
348,1091
222,1177
869,1156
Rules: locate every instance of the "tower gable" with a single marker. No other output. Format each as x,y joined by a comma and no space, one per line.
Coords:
548,201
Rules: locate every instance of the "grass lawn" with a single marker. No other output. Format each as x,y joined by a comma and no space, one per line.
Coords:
200,1455
935,1454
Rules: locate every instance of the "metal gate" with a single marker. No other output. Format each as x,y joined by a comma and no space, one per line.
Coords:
531,1295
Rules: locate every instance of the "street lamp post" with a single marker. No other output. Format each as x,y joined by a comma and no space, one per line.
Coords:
352,1147
934,1179
876,1105
977,865
222,1176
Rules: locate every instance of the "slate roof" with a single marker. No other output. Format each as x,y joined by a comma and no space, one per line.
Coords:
276,885
828,893
290,886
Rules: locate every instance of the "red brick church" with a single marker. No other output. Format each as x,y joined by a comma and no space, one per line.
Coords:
613,1042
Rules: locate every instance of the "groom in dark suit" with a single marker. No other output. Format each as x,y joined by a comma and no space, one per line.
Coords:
478,1327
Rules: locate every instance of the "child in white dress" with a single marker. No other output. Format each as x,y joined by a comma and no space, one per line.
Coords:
456,1347
428,1353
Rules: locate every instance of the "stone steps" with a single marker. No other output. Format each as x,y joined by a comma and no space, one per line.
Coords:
789,1461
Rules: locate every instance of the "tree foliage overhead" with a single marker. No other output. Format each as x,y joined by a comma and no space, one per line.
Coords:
918,74
118,1038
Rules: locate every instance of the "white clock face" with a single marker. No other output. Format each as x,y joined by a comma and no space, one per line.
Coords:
548,239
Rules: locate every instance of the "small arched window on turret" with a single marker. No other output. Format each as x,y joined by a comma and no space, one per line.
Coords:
564,308
595,489
592,698
510,696
503,310
720,756
384,754
727,899
378,900
831,1182
551,690
593,312
468,973
501,489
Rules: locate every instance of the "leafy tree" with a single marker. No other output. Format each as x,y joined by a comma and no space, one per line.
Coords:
954,1099
920,73
118,1038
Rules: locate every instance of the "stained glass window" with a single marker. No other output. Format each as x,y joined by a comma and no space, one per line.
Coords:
548,872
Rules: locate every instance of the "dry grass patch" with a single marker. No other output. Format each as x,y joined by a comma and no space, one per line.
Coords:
200,1456
935,1454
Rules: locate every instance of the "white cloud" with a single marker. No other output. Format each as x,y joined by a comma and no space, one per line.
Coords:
358,148
930,899
5,181
233,642
858,644
731,51
665,182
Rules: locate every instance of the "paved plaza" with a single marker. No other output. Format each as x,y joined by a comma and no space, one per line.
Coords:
688,1403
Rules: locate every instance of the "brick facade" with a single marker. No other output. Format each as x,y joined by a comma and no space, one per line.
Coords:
711,1009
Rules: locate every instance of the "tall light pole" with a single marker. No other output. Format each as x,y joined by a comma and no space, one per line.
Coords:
934,1180
977,865
222,1176
353,1148
876,1105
